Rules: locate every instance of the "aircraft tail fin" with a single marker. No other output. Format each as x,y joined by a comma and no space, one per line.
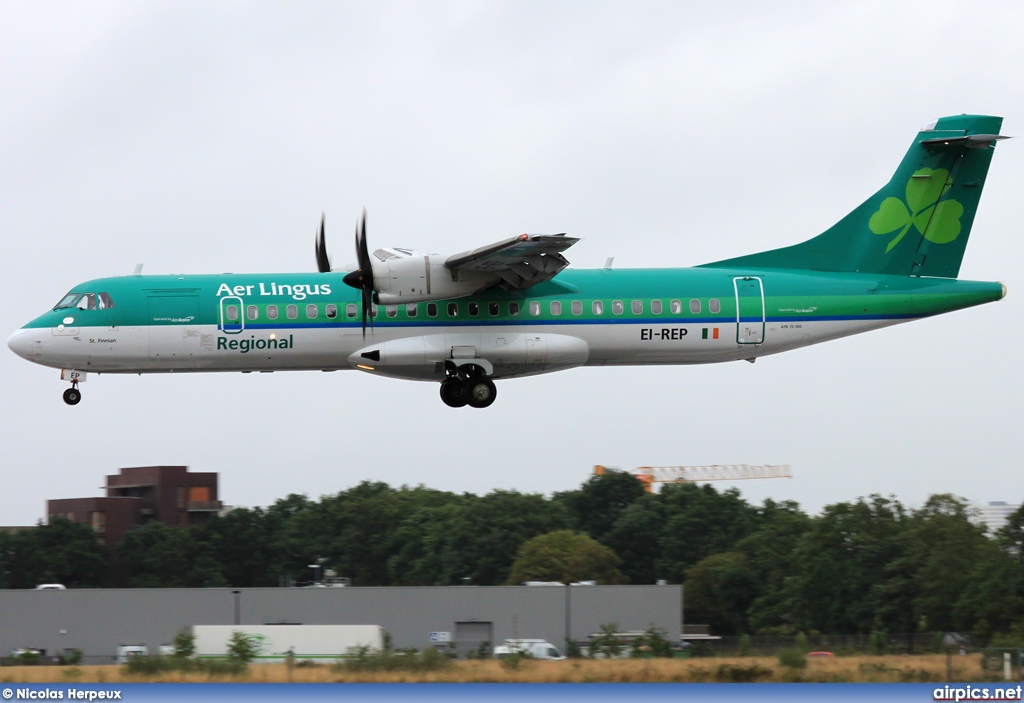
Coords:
918,223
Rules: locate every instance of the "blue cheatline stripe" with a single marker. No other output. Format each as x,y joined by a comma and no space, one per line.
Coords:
527,322
515,693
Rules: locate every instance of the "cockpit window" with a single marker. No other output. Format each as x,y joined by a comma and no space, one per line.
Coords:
68,301
85,301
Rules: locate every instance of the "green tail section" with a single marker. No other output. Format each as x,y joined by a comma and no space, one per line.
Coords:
918,224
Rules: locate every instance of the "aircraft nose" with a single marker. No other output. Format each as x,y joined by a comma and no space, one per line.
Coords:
21,343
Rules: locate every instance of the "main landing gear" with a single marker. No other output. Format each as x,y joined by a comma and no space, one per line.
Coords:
73,396
467,385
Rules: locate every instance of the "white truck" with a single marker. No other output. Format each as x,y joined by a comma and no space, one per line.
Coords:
537,649
273,643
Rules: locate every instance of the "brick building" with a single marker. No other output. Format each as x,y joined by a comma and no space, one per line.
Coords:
141,494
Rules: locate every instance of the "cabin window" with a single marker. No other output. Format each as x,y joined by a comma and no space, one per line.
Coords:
106,302
638,307
373,311
714,306
656,307
617,307
292,311
391,310
556,307
251,312
87,302
431,309
676,307
474,309
271,312
513,309
577,307
598,307
332,311
232,313
453,309
493,309
351,310
534,308
411,309
695,306
311,311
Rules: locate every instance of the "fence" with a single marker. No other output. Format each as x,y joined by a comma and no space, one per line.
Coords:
770,645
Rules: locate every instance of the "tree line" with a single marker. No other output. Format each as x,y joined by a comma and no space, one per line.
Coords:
864,566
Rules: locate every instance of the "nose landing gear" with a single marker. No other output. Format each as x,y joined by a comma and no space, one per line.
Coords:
467,385
72,396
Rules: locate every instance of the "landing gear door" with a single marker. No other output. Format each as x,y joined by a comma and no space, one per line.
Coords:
750,309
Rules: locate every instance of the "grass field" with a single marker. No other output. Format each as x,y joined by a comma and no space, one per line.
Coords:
891,668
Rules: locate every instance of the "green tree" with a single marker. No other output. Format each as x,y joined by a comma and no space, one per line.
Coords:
698,522
159,556
470,539
719,591
599,502
839,563
60,552
636,538
184,643
565,556
242,648
769,551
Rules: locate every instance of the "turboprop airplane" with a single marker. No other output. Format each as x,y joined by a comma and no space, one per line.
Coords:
513,308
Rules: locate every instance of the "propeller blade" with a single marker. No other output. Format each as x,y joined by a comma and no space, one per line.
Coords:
362,277
323,262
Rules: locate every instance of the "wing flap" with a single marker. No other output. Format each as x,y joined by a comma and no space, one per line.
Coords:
519,262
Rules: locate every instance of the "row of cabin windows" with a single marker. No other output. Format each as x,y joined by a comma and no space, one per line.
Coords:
493,309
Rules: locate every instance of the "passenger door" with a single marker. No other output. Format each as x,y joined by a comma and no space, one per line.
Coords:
750,310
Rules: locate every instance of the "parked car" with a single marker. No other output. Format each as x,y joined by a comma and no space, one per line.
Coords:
538,649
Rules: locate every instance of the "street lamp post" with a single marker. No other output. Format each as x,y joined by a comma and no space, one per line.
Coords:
238,606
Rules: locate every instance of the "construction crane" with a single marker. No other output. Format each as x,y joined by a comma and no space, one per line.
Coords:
649,475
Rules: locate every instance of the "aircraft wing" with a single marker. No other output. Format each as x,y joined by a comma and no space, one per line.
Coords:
520,262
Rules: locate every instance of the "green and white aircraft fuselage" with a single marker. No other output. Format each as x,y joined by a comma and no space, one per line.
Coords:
893,259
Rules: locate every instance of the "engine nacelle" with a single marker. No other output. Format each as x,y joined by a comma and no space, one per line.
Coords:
420,277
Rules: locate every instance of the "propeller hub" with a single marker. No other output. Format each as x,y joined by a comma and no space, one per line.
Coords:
354,279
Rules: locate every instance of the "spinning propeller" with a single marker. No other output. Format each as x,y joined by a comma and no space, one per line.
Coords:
362,278
323,262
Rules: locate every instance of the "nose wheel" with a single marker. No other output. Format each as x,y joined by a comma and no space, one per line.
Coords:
73,396
468,387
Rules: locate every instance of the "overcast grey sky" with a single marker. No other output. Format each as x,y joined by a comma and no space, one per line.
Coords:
207,137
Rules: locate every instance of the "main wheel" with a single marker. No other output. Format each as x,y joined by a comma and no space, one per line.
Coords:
72,396
453,393
482,392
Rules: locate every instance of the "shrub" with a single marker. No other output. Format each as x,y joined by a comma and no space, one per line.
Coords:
742,674
242,648
184,643
793,658
365,659
607,644
71,657
149,665
745,645
651,644
28,658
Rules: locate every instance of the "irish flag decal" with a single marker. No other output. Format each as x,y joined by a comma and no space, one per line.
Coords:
713,330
